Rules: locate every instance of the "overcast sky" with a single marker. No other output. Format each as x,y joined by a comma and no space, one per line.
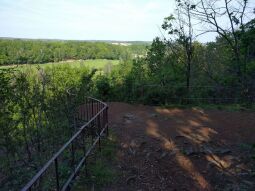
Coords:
85,19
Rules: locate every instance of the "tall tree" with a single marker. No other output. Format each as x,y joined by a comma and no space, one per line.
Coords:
180,29
227,19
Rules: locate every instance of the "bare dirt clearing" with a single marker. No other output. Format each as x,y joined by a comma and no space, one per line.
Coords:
182,149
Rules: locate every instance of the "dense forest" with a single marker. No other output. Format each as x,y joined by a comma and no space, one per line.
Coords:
36,105
18,51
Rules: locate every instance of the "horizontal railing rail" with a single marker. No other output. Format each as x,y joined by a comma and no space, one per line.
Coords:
215,94
94,114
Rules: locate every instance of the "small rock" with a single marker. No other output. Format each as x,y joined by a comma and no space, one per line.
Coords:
148,155
131,179
124,145
231,158
224,151
164,154
209,166
173,152
179,136
133,143
206,150
243,174
185,142
154,115
127,121
248,183
119,166
142,143
131,151
190,151
128,116
179,121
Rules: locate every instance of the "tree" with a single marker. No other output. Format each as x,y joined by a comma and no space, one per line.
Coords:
227,19
180,29
156,55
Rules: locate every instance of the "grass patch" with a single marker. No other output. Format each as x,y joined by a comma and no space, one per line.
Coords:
253,156
250,148
97,64
100,170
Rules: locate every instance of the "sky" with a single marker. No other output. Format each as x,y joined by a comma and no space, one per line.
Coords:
83,19
127,20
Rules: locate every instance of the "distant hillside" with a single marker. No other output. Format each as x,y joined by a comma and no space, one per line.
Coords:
36,51
105,41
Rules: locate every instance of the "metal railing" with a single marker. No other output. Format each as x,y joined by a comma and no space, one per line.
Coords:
59,172
217,94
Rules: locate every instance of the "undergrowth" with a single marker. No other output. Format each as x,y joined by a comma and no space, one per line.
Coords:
100,171
225,107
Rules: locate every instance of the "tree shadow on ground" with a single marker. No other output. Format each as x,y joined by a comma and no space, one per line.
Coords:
176,149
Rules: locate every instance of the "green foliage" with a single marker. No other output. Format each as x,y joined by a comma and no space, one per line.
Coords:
7,108
100,168
253,146
168,25
37,103
101,172
103,88
250,148
36,108
37,52
156,55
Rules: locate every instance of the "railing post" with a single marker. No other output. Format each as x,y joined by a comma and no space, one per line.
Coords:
84,142
99,131
75,122
83,112
95,110
57,175
91,130
85,150
107,129
86,108
92,108
104,119
72,155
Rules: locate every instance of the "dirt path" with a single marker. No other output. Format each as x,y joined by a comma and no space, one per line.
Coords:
174,149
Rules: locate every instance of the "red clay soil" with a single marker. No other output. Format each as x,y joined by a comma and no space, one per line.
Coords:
182,149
